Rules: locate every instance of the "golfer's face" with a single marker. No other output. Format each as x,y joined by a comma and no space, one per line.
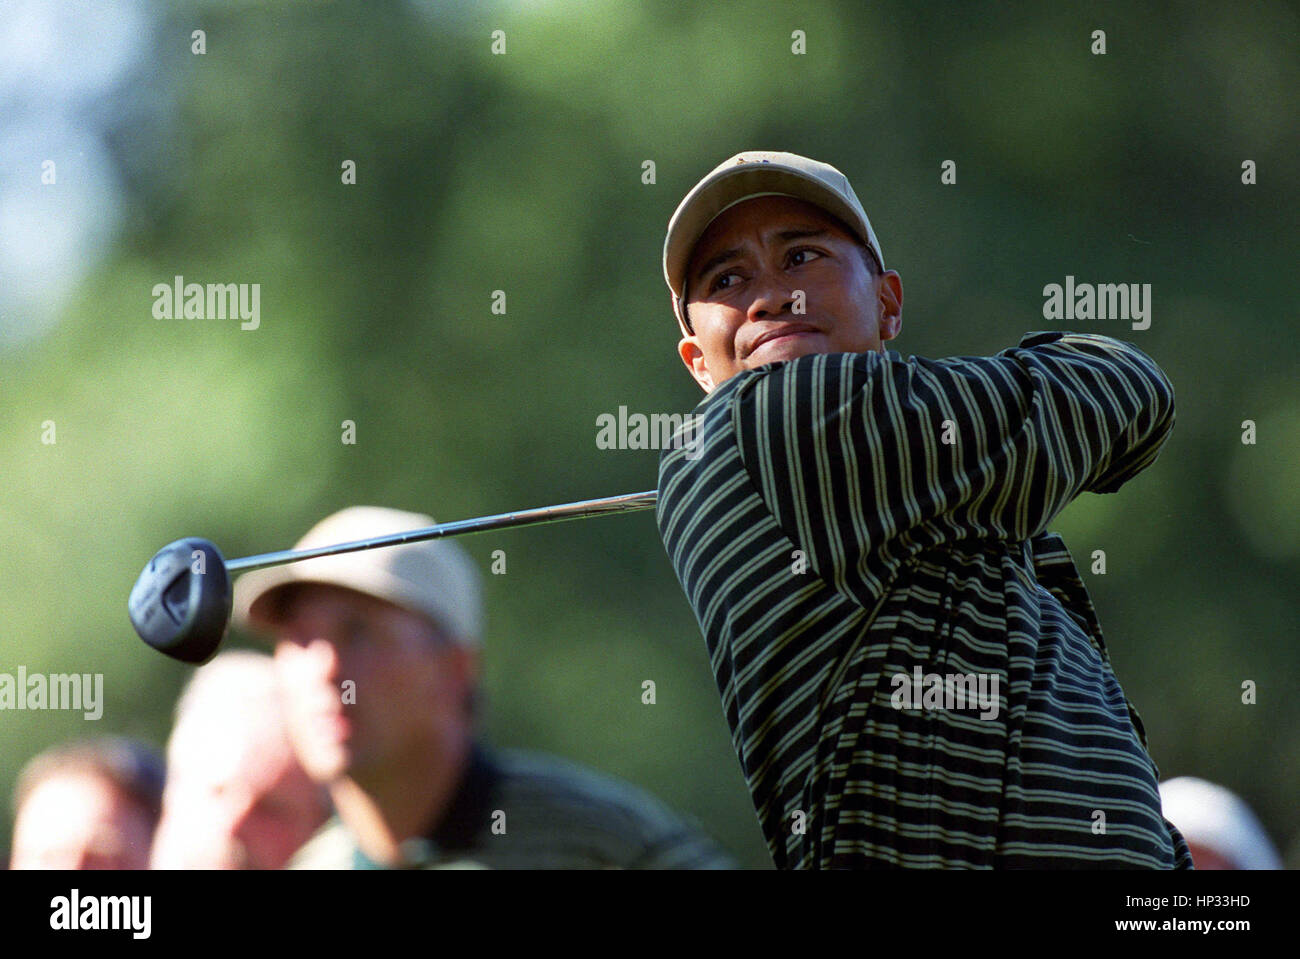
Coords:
368,687
775,278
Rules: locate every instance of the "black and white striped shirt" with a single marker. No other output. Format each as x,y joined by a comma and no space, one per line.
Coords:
847,526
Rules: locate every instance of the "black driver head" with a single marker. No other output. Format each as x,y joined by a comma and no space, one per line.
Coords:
181,603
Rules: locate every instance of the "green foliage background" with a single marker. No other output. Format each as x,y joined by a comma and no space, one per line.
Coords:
522,172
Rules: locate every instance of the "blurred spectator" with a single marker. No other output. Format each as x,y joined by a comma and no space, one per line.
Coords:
87,805
236,796
378,653
1220,829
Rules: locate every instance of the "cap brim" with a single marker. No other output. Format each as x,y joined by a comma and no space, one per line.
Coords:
714,194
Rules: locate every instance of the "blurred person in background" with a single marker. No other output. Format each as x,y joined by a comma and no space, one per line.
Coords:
378,653
91,804
1221,830
236,796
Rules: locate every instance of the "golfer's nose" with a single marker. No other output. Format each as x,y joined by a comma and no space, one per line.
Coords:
771,294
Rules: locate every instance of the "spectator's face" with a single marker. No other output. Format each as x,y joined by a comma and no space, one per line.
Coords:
80,821
741,285
370,689
236,798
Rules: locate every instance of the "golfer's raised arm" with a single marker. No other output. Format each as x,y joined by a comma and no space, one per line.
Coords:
867,459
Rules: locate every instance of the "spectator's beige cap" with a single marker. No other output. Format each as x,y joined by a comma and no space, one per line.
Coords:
743,177
435,578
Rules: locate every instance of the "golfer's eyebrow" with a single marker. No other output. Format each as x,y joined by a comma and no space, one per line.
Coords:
726,256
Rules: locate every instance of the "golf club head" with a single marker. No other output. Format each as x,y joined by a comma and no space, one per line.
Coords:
181,603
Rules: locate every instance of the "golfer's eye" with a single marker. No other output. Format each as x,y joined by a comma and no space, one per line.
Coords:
720,282
802,255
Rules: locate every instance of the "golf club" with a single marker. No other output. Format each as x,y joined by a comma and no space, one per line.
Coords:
181,603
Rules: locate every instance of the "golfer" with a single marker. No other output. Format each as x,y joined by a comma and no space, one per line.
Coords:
910,666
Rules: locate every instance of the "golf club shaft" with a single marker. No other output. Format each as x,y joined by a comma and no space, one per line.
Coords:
627,503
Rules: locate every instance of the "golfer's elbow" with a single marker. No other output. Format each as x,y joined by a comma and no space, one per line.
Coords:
1150,419
1156,395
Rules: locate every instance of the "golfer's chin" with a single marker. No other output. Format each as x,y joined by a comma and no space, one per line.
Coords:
788,347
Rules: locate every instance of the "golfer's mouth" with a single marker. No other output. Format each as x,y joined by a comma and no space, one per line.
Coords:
786,333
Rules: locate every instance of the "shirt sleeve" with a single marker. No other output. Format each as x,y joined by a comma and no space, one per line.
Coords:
867,459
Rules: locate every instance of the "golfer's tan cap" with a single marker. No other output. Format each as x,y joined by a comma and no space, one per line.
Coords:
435,578
747,175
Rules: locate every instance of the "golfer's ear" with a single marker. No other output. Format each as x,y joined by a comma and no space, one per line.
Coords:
693,357
889,292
